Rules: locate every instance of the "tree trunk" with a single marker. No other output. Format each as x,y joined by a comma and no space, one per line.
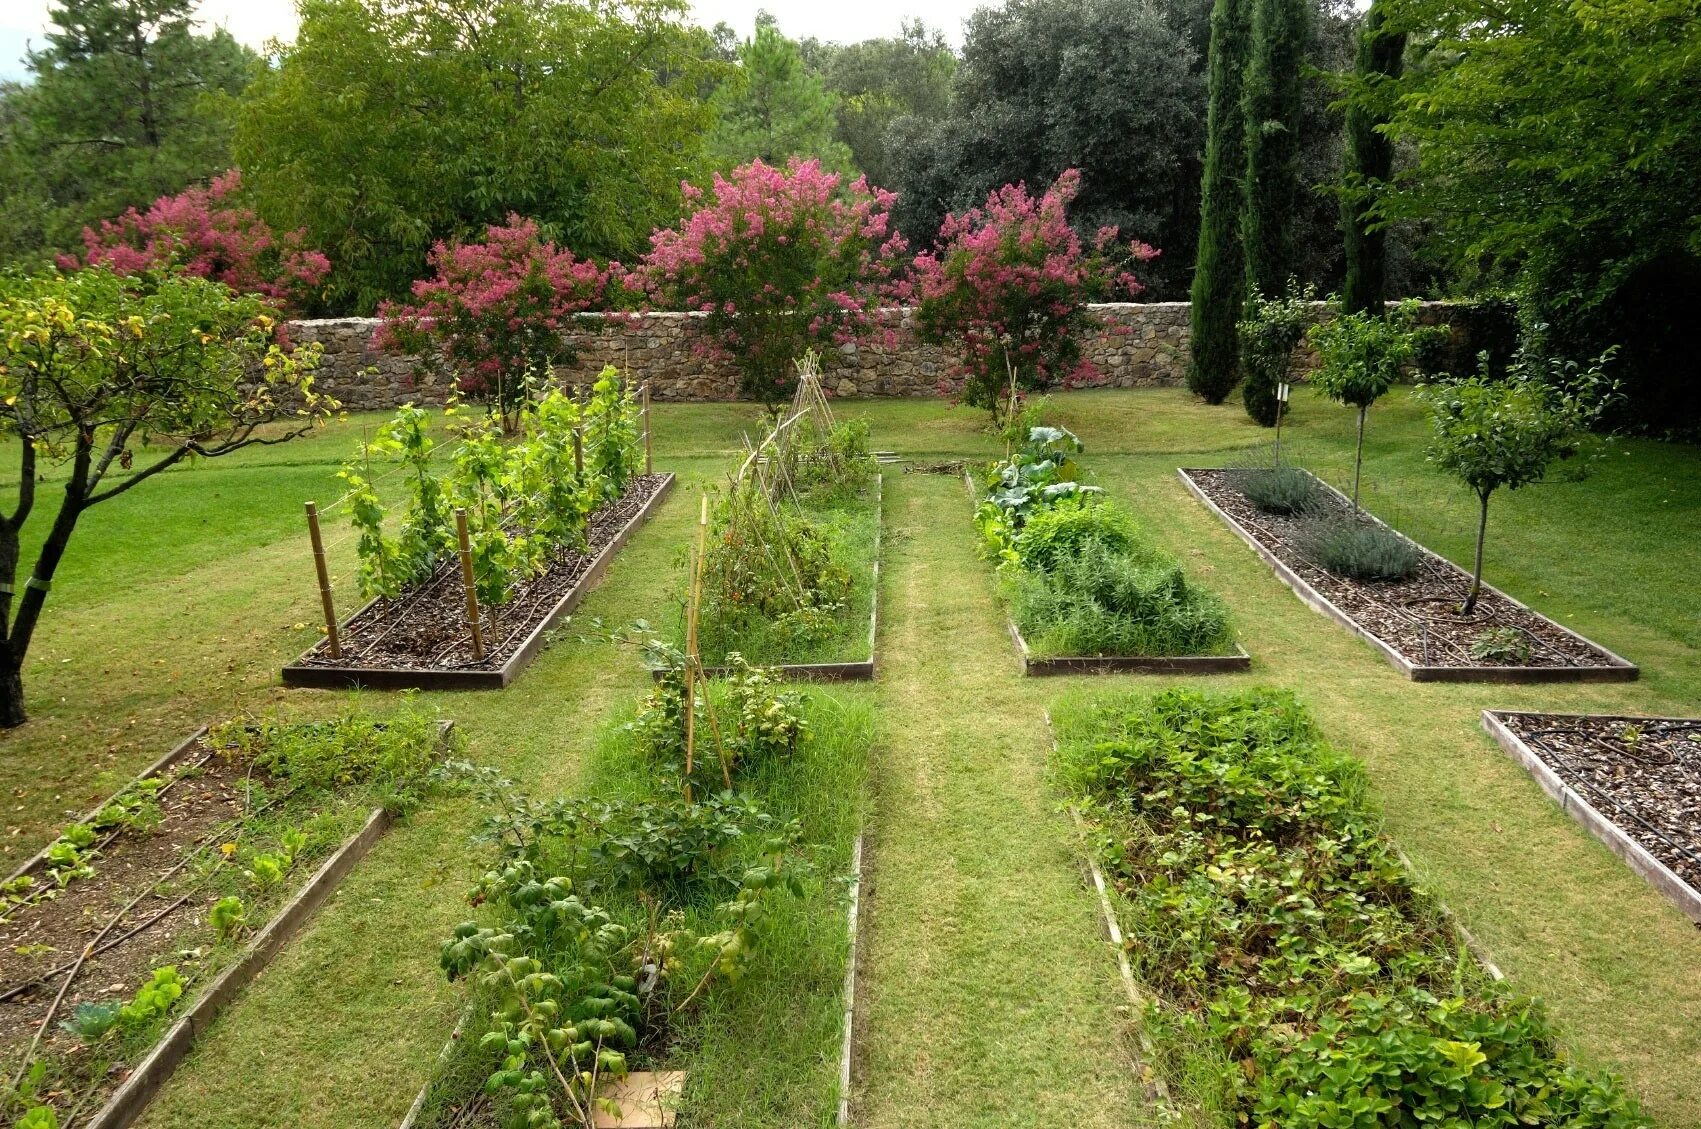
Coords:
11,697
1470,605
1358,457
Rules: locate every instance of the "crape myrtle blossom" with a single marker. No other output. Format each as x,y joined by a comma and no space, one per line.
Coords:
206,233
776,260
499,309
1008,284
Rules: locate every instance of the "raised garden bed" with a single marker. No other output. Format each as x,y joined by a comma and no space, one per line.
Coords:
421,639
141,897
1634,782
1053,665
865,594
1412,622
413,1118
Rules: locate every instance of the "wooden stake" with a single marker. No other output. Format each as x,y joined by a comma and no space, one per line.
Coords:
333,642
649,457
692,661
467,584
579,452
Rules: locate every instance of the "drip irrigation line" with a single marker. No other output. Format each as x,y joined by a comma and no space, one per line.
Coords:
105,946
1581,777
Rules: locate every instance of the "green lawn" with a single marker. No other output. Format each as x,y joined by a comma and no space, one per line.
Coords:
990,1000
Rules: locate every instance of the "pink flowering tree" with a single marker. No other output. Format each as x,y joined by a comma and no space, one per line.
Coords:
207,233
499,312
1008,285
776,261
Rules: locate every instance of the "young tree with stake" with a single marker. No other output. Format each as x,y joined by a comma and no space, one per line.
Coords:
1362,354
98,369
1506,432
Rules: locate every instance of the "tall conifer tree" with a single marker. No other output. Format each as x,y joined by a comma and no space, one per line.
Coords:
1219,279
1272,98
1370,161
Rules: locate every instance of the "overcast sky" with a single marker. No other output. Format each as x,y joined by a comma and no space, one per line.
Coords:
255,21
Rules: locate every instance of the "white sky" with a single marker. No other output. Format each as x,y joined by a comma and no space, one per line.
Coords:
255,21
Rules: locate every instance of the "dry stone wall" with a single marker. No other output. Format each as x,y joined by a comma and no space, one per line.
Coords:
1137,345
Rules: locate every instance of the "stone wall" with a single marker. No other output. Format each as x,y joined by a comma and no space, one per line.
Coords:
1138,345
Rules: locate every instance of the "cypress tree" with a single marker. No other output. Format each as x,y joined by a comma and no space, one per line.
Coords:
1370,161
1219,279
1272,97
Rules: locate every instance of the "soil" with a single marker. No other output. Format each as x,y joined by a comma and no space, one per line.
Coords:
426,629
1418,617
204,792
1643,774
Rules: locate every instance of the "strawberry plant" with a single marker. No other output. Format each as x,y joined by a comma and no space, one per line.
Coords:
1281,929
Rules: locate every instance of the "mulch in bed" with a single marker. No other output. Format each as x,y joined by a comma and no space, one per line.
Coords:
1417,617
426,628
205,793
1644,774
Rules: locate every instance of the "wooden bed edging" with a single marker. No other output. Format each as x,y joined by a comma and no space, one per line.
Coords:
1126,664
299,673
1656,873
1616,669
847,1043
861,671
410,1120
145,1081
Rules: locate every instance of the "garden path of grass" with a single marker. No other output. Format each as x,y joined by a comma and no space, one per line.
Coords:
989,1000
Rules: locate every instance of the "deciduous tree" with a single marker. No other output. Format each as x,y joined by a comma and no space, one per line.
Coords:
115,379
389,127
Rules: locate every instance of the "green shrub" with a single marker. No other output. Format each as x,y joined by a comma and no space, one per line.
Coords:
1502,645
1352,547
1104,600
1282,930
1279,489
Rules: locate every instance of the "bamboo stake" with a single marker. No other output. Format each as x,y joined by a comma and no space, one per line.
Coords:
649,456
692,661
467,584
333,641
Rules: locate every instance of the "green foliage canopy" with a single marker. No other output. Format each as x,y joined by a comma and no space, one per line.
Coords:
128,103
774,107
390,126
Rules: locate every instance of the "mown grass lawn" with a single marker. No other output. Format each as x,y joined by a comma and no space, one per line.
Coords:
990,1000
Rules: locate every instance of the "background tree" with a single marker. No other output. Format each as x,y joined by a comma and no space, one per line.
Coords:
1557,147
1494,431
1272,99
1109,87
773,107
1219,279
207,232
878,81
127,102
97,369
1370,162
389,127
498,310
